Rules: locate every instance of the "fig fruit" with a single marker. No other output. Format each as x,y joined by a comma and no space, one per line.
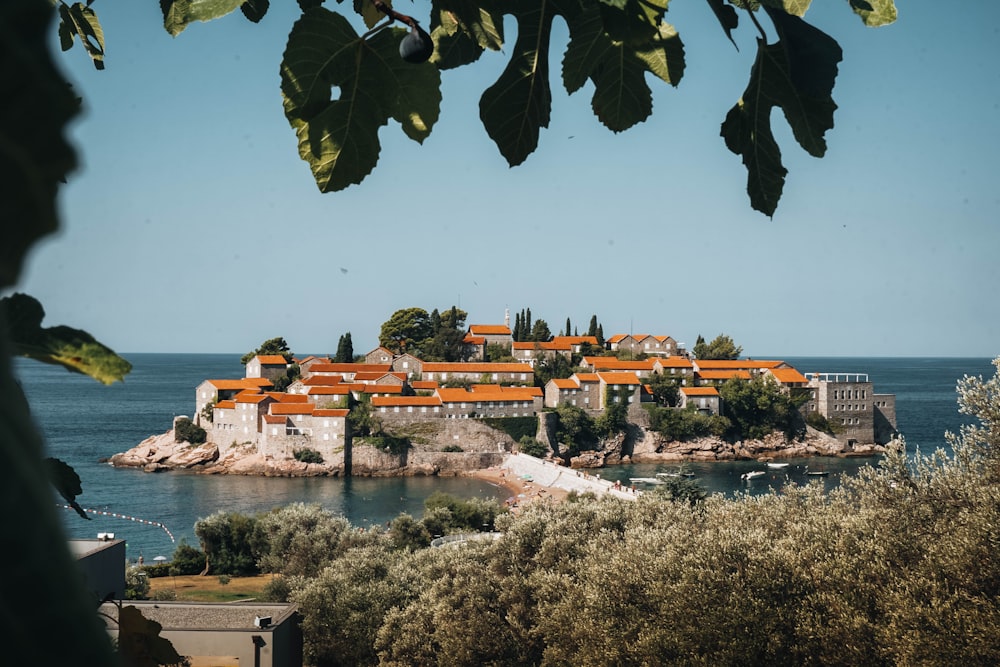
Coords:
416,46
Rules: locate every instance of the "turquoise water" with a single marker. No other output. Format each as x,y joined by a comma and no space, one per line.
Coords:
84,422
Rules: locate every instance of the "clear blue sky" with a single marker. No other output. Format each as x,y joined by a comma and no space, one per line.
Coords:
193,226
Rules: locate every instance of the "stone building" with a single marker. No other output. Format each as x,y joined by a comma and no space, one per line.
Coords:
849,401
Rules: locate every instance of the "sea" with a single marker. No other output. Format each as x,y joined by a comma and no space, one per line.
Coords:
84,423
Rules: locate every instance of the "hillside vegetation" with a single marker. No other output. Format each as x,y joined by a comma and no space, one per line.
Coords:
899,566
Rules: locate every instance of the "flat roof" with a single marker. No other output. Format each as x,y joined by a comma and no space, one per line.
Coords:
205,615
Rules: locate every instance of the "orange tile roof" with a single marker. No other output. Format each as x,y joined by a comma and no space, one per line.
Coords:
675,361
616,338
349,368
473,340
565,383
492,388
459,395
323,380
587,377
388,401
700,391
549,345
424,384
250,397
787,375
330,412
242,383
339,390
282,397
226,405
377,388
474,367
271,360
575,340
489,330
724,374
292,408
274,419
718,364
619,378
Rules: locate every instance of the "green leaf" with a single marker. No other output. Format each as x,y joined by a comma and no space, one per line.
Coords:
462,30
67,483
517,106
255,10
339,137
34,154
797,74
875,13
71,348
622,97
79,20
793,7
178,14
727,17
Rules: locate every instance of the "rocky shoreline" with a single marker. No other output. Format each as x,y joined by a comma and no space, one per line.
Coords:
162,453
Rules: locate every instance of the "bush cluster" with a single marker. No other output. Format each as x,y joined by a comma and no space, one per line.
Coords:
186,430
307,455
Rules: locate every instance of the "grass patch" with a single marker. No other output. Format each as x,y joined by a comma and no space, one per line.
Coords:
196,588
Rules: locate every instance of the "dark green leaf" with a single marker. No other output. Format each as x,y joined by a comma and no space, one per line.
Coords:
339,137
309,4
71,348
369,13
66,482
462,30
34,155
726,15
255,10
517,106
796,74
875,13
81,21
140,643
178,14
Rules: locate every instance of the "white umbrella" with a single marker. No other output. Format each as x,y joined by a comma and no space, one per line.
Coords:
160,559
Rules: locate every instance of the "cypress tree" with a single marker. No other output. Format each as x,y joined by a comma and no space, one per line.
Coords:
569,331
592,329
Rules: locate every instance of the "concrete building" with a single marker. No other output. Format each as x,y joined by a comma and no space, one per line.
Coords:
247,634
102,561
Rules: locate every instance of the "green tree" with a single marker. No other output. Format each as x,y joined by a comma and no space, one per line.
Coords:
345,350
758,406
665,388
532,447
186,430
405,331
592,329
226,539
269,346
540,332
721,347
575,430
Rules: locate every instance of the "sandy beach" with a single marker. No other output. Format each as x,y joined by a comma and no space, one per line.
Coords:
522,492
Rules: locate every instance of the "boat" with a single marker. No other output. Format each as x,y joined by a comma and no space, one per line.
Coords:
817,473
753,474
677,473
777,465
646,480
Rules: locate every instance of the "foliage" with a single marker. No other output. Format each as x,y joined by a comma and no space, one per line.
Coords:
276,590
187,559
474,514
757,407
452,449
136,583
186,430
575,430
396,445
405,330
686,424
446,341
552,367
409,534
363,419
821,423
682,489
73,349
499,353
345,350
208,412
226,540
269,346
140,643
614,418
721,347
516,427
665,388
291,374
531,447
307,455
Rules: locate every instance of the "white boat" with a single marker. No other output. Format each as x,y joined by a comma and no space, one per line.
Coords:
753,474
817,473
646,480
777,465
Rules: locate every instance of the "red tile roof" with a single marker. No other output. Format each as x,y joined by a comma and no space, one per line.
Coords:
700,391
339,390
475,367
323,380
724,374
292,408
719,364
424,384
271,360
330,412
675,361
349,368
282,397
550,345
489,330
248,396
242,383
388,401
619,378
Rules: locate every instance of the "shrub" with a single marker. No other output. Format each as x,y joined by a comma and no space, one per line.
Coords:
276,590
531,447
307,455
187,559
452,448
515,427
186,430
164,595
136,584
224,579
